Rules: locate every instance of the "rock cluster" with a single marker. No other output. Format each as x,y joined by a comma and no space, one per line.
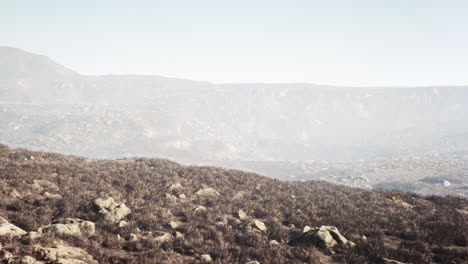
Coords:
111,210
323,237
70,226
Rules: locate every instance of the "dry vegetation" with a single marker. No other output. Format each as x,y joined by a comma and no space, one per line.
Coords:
383,224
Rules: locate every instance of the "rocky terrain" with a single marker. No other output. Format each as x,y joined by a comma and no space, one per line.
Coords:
67,209
429,174
300,128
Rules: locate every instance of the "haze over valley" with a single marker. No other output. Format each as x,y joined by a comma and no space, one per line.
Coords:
46,106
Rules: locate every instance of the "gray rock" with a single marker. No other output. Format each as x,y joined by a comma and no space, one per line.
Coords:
207,192
70,226
206,258
179,235
175,186
163,237
175,224
274,243
43,184
15,194
111,210
28,260
8,229
123,224
53,196
6,257
240,215
256,226
133,237
64,254
200,209
172,198
324,237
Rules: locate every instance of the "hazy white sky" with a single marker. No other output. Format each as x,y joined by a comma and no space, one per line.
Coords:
344,42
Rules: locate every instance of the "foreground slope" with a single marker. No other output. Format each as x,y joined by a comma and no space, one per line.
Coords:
164,212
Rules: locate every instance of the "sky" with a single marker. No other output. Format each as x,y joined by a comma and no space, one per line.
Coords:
337,42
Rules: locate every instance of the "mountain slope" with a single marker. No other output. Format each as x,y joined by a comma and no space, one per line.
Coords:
179,214
45,106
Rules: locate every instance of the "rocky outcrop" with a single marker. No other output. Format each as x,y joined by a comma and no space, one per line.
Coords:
323,237
111,210
70,226
8,229
63,254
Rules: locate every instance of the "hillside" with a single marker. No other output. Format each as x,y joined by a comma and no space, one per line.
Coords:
57,209
46,106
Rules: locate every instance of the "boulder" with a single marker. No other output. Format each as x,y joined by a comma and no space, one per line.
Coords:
207,192
241,215
111,210
256,226
179,235
46,185
163,237
206,258
122,224
199,209
274,243
34,235
133,237
8,229
15,194
175,186
171,198
324,237
53,196
70,226
64,254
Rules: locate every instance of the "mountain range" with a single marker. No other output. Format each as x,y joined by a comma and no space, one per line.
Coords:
46,106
